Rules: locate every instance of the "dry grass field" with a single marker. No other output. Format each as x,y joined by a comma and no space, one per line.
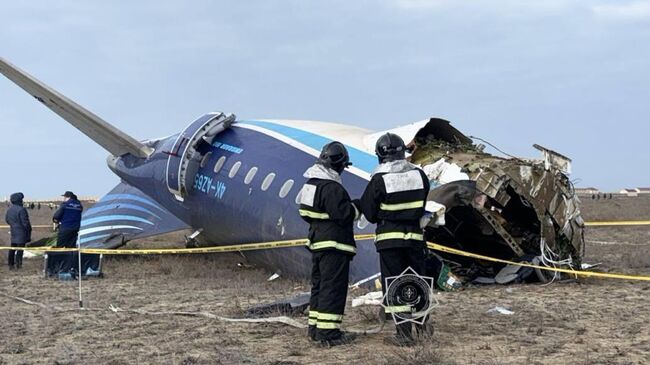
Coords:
578,322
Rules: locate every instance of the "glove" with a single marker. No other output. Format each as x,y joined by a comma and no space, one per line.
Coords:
426,218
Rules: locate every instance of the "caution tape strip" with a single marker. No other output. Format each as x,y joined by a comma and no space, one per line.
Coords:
303,242
437,247
175,251
616,223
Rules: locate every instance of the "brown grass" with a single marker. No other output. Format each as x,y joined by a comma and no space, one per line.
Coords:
421,354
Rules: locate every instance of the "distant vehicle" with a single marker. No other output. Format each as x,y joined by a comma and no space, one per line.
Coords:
235,182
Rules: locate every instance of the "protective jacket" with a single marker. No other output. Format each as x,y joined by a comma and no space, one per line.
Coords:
69,215
395,199
327,207
18,220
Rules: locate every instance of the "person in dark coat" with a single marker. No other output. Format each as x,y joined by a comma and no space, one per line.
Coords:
395,200
68,217
327,207
21,229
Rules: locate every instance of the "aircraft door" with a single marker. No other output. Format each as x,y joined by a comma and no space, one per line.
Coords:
190,147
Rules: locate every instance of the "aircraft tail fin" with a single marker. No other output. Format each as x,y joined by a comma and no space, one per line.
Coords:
112,139
125,214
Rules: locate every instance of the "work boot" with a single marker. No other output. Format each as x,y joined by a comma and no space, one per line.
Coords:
311,332
344,339
399,341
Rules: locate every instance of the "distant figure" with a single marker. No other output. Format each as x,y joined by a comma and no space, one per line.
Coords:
38,206
32,206
68,218
21,230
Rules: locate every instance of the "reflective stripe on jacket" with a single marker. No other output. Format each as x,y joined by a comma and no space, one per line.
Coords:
327,207
395,202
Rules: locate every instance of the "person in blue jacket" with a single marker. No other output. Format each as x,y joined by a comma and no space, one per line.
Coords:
21,230
68,217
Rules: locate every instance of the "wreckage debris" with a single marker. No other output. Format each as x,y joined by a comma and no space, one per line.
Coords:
509,208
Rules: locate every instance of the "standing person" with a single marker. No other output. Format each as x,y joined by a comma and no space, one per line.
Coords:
21,230
395,199
68,217
326,206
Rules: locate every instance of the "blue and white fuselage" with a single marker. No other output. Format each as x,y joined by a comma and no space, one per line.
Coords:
243,191
230,181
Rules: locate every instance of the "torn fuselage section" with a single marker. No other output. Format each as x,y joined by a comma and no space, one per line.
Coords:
508,208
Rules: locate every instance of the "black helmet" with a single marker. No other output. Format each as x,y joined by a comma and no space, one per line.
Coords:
390,147
334,156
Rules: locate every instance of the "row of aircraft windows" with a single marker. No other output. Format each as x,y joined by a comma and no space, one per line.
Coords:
266,183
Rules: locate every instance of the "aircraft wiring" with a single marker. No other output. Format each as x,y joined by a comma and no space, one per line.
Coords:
496,148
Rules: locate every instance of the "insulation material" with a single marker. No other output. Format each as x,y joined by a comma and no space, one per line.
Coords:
443,172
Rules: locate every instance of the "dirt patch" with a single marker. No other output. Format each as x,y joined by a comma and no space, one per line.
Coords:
584,322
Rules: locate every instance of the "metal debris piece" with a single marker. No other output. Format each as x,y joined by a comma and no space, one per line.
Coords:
500,310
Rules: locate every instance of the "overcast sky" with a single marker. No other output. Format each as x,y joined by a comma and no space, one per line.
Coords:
570,75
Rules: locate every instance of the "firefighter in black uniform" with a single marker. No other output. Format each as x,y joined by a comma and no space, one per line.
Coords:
327,207
395,199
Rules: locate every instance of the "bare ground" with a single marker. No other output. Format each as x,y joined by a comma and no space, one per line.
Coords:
585,322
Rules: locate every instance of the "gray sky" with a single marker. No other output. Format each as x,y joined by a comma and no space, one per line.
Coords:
569,75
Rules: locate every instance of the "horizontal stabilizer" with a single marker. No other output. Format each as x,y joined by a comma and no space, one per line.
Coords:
112,139
123,215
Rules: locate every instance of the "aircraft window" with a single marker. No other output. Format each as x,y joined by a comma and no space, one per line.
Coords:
267,181
205,159
234,169
286,187
251,174
219,164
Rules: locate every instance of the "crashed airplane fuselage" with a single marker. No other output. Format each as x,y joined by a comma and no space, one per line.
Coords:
502,207
235,182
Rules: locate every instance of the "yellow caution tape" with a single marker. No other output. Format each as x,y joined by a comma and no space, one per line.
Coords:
437,247
162,251
303,242
617,223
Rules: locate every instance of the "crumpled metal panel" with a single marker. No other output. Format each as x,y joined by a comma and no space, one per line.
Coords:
537,184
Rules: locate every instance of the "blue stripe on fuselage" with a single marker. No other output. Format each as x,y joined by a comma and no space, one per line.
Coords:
99,209
362,160
110,197
111,218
